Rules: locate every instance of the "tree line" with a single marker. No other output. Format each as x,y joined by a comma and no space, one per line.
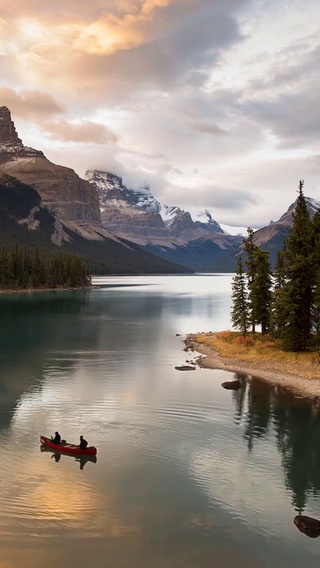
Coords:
285,303
21,268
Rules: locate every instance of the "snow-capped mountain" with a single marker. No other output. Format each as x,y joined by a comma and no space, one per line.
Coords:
112,191
124,210
129,214
95,215
48,205
204,219
167,231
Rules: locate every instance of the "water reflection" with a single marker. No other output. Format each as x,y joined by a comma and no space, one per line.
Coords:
81,459
30,324
188,473
267,410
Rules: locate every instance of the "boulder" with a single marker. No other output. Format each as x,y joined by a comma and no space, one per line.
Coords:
307,525
231,385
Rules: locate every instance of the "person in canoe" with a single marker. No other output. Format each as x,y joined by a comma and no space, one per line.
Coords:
83,443
56,439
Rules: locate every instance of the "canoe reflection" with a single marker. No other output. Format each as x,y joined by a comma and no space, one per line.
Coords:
80,458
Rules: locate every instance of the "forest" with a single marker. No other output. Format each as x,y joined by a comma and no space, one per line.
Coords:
285,303
21,268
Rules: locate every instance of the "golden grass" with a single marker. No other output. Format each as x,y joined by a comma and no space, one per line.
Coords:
257,348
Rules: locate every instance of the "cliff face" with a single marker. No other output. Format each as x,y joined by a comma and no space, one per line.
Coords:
61,189
131,215
8,134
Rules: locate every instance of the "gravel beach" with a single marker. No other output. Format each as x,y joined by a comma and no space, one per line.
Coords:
293,376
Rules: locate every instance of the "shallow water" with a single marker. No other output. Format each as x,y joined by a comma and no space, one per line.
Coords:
187,474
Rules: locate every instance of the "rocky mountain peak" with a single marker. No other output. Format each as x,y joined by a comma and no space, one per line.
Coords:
8,133
204,219
11,146
62,191
111,187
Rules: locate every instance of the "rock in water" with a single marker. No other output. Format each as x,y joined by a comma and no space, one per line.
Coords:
307,525
231,385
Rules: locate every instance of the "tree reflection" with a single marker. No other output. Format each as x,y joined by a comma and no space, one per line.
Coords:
297,429
257,412
295,423
239,396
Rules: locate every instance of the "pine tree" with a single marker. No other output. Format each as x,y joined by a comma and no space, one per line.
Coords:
240,310
316,309
299,278
260,293
279,305
251,248
25,269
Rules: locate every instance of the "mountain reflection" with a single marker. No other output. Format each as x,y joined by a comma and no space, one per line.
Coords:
46,333
266,410
30,323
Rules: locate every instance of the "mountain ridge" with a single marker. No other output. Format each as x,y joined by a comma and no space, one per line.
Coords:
68,203
99,214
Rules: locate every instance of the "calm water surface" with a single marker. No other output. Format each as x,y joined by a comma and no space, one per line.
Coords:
188,475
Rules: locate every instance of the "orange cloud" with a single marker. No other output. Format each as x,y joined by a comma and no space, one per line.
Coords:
30,104
111,33
89,132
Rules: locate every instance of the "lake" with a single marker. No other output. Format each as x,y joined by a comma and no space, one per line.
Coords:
188,475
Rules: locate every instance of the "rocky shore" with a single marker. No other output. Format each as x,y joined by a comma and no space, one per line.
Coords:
296,376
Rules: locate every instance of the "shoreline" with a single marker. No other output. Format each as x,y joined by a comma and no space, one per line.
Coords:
31,290
270,371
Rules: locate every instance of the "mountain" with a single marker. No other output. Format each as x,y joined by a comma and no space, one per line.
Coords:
197,241
270,238
166,231
205,220
60,188
48,206
128,214
117,229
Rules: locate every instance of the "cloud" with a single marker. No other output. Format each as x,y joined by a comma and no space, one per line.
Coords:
28,104
85,132
118,47
113,32
216,197
207,127
210,101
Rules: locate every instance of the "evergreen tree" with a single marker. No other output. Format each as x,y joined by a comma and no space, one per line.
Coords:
316,309
315,226
250,249
260,293
299,278
279,306
24,269
240,310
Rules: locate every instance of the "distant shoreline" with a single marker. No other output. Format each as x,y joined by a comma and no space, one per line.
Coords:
31,290
292,377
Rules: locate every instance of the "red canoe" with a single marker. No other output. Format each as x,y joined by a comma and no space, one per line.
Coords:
68,448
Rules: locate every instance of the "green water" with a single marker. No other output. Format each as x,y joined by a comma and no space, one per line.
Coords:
188,475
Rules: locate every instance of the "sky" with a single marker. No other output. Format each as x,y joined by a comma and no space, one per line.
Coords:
213,103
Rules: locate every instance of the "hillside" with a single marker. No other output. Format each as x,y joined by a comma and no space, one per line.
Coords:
26,221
